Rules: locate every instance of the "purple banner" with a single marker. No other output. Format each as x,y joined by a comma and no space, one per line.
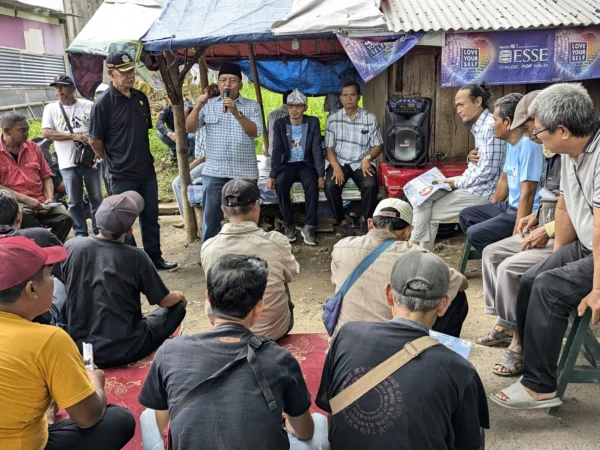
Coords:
373,55
577,53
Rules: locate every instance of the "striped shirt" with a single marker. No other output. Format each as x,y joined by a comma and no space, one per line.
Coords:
352,139
481,178
279,113
230,152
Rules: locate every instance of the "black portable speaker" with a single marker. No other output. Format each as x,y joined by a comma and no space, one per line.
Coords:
407,131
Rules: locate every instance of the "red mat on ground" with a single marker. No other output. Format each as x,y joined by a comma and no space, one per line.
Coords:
309,349
394,178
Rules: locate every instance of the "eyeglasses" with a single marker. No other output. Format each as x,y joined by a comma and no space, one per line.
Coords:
230,80
536,133
295,106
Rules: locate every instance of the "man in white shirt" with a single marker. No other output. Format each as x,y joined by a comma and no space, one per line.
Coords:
55,128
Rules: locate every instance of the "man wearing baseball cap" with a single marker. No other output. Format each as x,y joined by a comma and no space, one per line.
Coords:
119,126
364,301
40,367
297,156
104,279
243,236
65,137
232,123
438,384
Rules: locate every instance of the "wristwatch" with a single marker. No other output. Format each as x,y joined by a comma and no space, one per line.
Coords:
240,115
368,157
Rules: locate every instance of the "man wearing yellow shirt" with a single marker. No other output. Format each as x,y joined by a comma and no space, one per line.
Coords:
41,369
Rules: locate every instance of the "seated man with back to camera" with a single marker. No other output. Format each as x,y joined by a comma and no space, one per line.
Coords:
241,204
27,175
41,369
476,185
353,142
517,191
437,401
364,301
504,262
104,279
297,156
243,408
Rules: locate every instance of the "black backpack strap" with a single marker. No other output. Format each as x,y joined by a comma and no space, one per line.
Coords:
247,353
64,113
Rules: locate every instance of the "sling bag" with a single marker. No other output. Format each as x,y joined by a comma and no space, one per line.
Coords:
375,376
84,154
333,305
249,354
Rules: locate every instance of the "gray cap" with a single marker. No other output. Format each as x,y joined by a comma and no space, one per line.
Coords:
424,267
117,213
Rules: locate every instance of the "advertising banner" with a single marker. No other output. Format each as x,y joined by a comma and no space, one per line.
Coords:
373,55
524,56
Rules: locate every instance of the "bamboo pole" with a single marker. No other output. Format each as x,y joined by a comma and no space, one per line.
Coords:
169,70
203,73
259,98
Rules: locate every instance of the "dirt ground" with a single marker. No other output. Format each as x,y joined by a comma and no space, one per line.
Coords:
577,427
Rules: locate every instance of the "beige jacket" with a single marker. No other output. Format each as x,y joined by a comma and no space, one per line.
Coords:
365,301
247,238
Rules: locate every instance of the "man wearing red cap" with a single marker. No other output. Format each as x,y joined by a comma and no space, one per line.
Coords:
40,367
104,279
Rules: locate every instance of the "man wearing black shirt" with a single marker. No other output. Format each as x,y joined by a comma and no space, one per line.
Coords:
233,412
435,401
104,279
119,125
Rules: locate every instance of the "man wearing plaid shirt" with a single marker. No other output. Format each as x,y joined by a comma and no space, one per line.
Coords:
232,123
353,142
477,184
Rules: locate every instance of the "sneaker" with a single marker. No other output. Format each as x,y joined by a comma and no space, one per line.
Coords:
290,233
345,230
173,156
308,233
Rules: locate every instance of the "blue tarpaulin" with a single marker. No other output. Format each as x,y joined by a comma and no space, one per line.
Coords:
308,75
193,23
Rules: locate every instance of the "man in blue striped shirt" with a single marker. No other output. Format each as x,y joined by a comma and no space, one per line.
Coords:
477,184
232,124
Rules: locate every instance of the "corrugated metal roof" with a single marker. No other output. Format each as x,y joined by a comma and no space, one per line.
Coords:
28,69
435,15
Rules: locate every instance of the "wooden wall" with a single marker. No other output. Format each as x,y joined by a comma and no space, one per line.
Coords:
419,73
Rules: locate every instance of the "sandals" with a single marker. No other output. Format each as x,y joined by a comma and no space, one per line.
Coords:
520,399
509,362
498,337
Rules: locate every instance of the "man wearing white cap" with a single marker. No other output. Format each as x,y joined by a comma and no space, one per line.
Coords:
365,301
297,156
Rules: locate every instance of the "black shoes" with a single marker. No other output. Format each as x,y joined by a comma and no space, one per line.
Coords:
161,264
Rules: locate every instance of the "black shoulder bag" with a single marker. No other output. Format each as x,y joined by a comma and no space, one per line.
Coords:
84,154
249,354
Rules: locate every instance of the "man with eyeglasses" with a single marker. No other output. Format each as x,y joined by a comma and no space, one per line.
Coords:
232,123
297,156
119,125
353,142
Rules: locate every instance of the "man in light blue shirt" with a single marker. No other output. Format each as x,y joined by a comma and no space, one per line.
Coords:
232,124
517,189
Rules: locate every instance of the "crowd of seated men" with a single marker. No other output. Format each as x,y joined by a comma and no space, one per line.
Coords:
233,386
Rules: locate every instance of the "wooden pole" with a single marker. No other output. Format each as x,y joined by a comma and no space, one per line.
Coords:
203,73
169,70
259,98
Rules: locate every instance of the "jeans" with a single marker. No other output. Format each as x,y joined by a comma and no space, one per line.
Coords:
212,215
149,226
487,224
57,315
191,140
112,433
548,292
153,440
74,178
58,220
195,173
288,174
366,184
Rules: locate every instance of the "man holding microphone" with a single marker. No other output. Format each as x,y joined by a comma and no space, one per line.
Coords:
232,123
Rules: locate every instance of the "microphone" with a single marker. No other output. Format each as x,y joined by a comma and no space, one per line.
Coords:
225,95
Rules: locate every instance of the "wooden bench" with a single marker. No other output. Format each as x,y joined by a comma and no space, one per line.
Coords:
468,254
